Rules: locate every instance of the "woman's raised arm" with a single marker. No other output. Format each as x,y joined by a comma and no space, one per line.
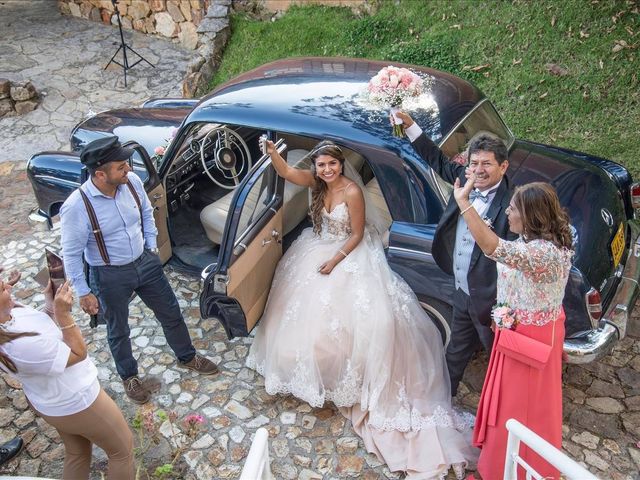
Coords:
293,175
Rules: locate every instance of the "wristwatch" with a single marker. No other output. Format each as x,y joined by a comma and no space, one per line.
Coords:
154,250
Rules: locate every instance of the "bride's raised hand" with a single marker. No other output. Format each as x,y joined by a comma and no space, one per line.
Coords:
461,193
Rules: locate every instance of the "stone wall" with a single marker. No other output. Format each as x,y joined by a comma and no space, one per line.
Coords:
178,19
200,25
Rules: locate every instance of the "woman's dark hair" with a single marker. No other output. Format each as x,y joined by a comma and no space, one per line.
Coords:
319,189
6,337
541,213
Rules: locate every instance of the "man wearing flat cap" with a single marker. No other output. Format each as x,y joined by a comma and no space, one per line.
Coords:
109,219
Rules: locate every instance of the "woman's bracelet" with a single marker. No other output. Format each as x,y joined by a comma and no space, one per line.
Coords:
462,212
343,253
67,327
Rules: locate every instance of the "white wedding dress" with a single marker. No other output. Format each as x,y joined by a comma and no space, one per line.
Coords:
359,338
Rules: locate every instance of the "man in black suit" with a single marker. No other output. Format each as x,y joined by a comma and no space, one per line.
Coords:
455,250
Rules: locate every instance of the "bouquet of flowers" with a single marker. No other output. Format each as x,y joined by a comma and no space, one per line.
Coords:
504,316
390,87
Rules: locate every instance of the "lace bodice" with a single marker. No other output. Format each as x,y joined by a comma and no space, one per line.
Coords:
336,225
531,278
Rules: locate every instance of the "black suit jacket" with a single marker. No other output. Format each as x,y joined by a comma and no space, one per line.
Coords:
482,273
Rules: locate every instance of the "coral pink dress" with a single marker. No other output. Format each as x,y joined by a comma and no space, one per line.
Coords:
531,280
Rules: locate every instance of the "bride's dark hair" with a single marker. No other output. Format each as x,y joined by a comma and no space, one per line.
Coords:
319,189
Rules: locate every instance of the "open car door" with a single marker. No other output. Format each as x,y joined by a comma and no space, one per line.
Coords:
236,288
143,166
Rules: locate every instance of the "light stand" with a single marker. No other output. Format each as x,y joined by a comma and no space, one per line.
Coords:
124,47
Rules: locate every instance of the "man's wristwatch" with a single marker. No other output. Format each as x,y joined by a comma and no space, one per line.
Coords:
154,250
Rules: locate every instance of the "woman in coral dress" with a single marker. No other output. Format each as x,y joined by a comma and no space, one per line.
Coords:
532,276
341,326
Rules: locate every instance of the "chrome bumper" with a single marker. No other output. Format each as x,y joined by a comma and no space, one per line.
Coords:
594,344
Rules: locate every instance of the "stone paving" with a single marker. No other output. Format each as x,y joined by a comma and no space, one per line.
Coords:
65,60
601,400
64,57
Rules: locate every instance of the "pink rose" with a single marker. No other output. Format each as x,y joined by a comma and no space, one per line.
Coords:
159,150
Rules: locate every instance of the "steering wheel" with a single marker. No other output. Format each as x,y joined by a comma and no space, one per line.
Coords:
231,157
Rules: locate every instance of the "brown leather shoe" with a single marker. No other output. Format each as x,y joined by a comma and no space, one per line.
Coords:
201,364
135,390
151,383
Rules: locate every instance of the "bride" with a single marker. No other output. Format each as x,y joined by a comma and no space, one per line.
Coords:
341,326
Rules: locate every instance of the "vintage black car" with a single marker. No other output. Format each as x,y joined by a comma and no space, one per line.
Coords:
222,210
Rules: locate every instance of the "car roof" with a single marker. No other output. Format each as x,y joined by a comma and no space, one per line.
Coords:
322,97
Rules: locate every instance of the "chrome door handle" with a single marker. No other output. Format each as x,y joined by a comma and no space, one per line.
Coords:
275,235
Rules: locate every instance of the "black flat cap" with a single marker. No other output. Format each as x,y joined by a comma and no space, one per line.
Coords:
104,150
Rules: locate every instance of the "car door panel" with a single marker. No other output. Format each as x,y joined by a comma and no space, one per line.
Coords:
251,273
236,289
144,168
158,201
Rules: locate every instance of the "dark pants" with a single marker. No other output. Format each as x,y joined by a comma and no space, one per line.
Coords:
467,334
114,285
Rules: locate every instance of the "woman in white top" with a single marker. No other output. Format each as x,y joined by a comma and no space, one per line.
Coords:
61,383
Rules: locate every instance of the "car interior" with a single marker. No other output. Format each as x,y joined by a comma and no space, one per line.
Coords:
209,164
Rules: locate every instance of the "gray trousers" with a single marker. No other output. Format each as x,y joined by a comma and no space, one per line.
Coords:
467,335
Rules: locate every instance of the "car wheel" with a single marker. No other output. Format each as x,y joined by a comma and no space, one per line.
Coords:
441,314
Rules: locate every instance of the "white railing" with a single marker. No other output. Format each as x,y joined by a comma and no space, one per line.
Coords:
518,432
257,467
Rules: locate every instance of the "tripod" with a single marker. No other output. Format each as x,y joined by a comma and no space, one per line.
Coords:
124,47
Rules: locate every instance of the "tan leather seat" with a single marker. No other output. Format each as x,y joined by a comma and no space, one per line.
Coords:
296,201
296,204
378,203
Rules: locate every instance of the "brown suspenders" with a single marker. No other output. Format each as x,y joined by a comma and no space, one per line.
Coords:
95,225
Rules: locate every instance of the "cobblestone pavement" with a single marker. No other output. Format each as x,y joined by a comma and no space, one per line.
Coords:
601,400
64,57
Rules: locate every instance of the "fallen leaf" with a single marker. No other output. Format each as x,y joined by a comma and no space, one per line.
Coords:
517,62
476,68
628,29
543,95
617,47
555,69
457,25
553,21
583,34
518,87
601,63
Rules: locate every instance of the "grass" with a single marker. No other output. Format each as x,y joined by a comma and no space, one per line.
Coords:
593,106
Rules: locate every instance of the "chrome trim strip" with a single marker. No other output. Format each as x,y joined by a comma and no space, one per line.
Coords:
594,344
58,180
409,251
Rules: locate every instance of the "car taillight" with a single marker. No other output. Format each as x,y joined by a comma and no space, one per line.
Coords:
635,195
594,306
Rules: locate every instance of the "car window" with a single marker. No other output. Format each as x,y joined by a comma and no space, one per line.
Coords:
258,199
139,168
483,118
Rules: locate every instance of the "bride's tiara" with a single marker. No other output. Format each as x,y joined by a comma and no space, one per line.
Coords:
316,150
